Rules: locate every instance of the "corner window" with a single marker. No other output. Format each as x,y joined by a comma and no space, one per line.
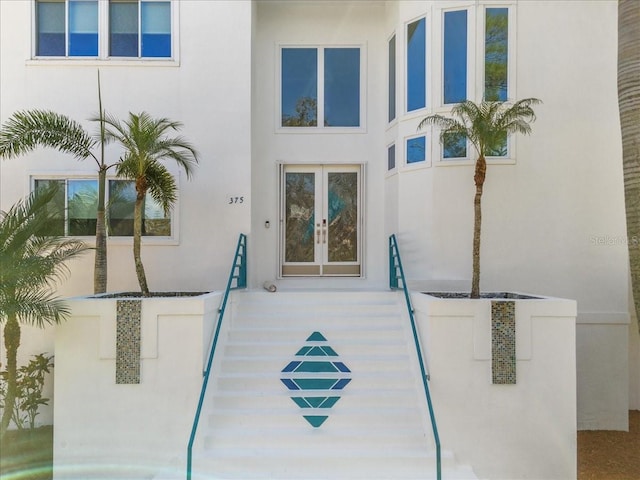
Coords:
496,54
416,65
391,157
76,204
455,56
454,146
320,87
67,28
416,150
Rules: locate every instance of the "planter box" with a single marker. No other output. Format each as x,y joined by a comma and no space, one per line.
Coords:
524,428
126,391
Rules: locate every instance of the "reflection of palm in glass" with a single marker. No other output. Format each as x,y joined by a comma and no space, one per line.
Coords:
343,210
300,189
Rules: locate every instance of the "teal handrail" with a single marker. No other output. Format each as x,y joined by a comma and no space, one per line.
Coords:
237,279
397,281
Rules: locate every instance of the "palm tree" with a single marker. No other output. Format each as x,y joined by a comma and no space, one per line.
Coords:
146,143
628,94
27,130
486,125
30,263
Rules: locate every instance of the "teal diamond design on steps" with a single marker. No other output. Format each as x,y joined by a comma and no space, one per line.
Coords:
316,375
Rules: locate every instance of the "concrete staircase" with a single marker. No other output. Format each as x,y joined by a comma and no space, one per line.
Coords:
317,385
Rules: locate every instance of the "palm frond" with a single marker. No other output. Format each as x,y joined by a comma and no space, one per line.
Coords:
27,130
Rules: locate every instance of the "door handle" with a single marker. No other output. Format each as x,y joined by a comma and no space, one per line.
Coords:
324,230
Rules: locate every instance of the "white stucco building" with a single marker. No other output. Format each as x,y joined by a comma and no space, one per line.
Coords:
305,116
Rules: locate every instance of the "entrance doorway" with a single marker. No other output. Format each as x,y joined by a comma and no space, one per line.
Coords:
321,220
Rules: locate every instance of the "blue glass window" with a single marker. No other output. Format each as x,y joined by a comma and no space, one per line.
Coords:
342,87
51,29
151,37
156,29
392,78
299,87
391,157
416,149
454,146
500,150
416,65
122,198
455,56
496,52
338,90
83,28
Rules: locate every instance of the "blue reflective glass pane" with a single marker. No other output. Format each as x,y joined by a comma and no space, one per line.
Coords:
455,56
454,146
391,157
50,23
416,149
342,87
123,29
83,28
416,65
496,53
299,87
156,29
392,78
56,222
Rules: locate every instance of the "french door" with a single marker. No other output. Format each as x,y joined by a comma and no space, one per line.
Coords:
321,220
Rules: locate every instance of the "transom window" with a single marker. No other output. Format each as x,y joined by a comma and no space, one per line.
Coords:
320,87
76,204
74,28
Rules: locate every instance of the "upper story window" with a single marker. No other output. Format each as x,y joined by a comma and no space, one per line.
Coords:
392,78
67,28
417,65
320,87
455,56
75,28
77,203
496,54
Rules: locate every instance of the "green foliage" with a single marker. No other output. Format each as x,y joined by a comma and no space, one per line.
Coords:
29,384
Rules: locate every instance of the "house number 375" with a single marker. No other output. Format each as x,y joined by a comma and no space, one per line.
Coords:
233,200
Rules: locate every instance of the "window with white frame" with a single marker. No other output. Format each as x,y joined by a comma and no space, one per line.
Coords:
391,157
320,87
455,58
496,54
392,79
74,28
416,150
76,203
416,64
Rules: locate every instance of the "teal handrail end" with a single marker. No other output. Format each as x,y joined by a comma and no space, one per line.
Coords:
396,275
239,264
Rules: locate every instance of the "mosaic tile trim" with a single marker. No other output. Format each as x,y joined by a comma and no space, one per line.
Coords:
128,316
503,343
316,376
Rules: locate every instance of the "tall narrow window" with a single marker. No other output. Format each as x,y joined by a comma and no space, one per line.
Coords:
496,52
416,65
83,28
50,24
123,29
392,78
391,157
341,87
320,87
56,208
156,29
455,56
299,95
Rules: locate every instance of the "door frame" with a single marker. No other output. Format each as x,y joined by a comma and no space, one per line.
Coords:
282,169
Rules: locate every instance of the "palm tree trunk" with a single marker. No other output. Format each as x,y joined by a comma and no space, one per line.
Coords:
137,240
480,173
11,342
629,104
100,267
